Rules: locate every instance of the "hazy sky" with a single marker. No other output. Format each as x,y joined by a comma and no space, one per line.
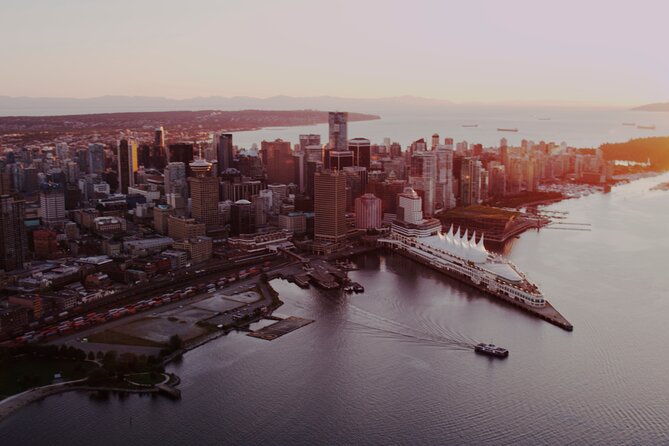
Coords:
613,52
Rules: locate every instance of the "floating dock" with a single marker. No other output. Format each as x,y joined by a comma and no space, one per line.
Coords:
280,328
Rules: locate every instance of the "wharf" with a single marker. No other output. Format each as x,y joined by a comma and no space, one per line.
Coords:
548,313
280,328
169,391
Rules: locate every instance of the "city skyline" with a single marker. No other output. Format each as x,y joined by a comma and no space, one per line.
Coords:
593,53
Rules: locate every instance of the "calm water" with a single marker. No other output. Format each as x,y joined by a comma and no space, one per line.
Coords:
394,366
582,127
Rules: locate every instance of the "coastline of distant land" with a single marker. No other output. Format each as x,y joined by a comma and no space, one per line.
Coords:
655,107
182,121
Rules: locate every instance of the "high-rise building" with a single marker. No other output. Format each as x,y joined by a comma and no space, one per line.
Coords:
309,140
470,181
409,207
157,156
423,177
176,179
338,131
337,160
159,140
127,164
224,151
435,141
445,198
368,212
96,158
241,218
52,204
13,238
330,206
181,152
361,148
279,162
204,194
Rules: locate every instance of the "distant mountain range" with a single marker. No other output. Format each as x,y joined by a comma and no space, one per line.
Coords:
29,106
658,106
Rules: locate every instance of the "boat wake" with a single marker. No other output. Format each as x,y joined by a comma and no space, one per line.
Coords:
442,337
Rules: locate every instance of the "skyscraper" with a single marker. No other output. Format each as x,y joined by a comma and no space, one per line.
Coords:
338,126
309,140
204,194
444,189
279,162
181,152
470,181
330,206
223,147
361,148
52,204
13,238
423,177
368,212
96,158
127,164
176,179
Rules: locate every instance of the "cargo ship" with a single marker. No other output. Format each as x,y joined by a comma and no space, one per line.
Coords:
507,129
646,127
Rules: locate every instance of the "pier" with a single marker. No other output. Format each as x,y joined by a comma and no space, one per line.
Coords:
548,313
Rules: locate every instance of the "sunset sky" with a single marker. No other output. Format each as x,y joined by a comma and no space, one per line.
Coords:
465,51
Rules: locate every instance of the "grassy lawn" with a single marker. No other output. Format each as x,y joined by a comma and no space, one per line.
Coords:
24,373
113,337
145,378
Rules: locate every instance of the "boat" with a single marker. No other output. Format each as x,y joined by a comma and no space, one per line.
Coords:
491,350
646,127
507,130
470,125
544,119
629,124
464,257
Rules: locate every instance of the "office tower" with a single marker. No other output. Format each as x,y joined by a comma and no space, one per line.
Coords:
224,151
409,207
477,149
470,181
309,140
176,179
435,141
181,152
300,170
423,177
159,139
279,193
445,198
361,149
13,238
368,212
204,194
96,158
314,153
241,218
127,164
356,184
279,162
395,150
311,169
338,160
52,204
338,131
496,179
330,206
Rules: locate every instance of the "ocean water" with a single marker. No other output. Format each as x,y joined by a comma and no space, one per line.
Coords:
395,366
578,127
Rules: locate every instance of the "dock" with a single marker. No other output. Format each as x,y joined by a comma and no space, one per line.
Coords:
169,391
548,313
280,328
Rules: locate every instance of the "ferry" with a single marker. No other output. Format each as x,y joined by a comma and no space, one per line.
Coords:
491,350
507,130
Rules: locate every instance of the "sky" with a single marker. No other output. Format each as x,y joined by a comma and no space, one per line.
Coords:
586,51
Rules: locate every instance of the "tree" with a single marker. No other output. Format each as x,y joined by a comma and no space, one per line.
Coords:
175,343
91,356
